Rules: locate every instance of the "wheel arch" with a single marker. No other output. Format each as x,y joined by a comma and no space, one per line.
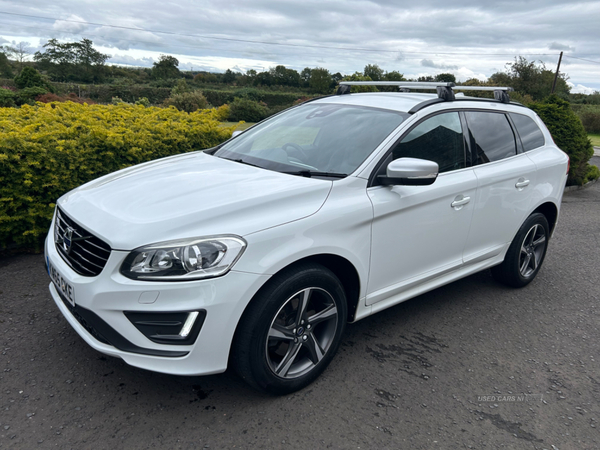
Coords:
550,211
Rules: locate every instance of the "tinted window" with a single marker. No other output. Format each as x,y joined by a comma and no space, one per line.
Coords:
438,139
530,134
492,138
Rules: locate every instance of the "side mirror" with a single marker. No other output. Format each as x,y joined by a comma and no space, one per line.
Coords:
236,133
410,172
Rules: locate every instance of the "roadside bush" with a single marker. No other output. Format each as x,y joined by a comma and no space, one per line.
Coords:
570,136
49,149
247,110
187,101
31,78
29,94
7,98
590,117
72,97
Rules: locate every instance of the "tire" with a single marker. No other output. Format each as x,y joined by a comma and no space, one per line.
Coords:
291,330
526,253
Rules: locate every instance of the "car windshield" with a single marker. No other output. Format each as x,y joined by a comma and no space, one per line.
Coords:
316,139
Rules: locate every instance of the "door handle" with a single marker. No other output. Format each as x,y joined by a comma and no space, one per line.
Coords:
460,201
522,183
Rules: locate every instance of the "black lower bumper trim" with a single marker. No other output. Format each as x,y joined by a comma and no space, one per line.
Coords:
104,333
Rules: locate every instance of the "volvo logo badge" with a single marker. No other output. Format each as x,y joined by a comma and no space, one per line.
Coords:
67,239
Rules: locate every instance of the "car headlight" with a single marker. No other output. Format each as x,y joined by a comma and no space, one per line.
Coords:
184,259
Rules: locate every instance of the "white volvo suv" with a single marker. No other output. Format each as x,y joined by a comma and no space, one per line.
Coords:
257,253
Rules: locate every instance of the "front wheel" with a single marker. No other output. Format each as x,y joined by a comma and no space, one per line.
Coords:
526,253
291,330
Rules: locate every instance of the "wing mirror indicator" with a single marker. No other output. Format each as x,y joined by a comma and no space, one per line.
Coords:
410,172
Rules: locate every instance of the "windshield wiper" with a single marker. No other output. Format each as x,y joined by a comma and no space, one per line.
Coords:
312,173
240,160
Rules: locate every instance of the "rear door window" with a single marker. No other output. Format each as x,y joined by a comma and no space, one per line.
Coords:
529,132
491,136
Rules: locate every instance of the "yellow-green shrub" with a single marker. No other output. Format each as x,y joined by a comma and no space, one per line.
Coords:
49,149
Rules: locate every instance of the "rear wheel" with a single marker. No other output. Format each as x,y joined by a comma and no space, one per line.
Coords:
291,330
526,253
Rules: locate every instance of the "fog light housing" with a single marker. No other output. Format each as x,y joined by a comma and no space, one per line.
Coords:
174,328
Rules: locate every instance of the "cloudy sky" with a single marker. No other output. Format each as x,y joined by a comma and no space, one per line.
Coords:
466,37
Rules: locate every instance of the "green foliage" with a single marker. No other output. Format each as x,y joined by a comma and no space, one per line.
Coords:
568,133
180,88
72,61
49,149
188,101
357,76
445,78
394,75
243,109
143,101
7,98
320,81
5,66
592,174
373,72
29,77
529,78
29,94
283,76
590,116
166,67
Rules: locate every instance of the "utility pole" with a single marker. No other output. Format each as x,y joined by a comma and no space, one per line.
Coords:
556,74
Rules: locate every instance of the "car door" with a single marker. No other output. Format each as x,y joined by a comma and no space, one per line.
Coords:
419,232
505,179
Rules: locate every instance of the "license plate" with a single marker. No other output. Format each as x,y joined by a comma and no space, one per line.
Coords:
61,284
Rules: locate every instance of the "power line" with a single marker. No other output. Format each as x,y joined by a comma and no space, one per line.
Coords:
249,41
582,59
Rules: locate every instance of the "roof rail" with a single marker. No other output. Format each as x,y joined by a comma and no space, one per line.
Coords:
445,90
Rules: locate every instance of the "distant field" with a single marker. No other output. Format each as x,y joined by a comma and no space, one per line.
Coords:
595,138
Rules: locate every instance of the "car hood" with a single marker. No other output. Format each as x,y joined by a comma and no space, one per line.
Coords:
190,195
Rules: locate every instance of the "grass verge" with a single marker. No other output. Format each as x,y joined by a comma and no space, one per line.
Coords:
595,138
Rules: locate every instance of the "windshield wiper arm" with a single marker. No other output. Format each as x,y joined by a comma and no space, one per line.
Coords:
240,160
313,173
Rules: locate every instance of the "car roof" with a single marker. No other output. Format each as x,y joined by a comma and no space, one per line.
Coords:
396,101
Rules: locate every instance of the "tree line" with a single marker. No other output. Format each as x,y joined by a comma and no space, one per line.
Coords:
80,62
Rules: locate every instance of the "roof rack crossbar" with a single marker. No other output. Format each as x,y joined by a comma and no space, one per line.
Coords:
445,90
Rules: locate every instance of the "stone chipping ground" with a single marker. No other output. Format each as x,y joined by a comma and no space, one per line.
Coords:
472,365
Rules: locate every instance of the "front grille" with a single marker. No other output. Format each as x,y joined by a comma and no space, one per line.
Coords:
87,254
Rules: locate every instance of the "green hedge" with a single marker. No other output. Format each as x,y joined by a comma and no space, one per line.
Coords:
49,149
570,136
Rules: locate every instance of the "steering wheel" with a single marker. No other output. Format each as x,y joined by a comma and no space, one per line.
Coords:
295,147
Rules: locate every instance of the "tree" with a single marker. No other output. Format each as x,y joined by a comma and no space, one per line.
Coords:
31,78
394,75
374,72
228,77
320,81
283,76
568,133
72,61
445,77
529,78
19,52
305,76
5,66
166,67
357,76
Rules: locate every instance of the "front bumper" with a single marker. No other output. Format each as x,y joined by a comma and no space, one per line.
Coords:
102,300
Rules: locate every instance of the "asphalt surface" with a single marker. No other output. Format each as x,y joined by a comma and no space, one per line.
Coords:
448,369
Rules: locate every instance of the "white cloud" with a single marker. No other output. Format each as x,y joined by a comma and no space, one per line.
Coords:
66,26
581,89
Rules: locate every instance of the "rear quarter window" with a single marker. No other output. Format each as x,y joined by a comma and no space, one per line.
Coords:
529,132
